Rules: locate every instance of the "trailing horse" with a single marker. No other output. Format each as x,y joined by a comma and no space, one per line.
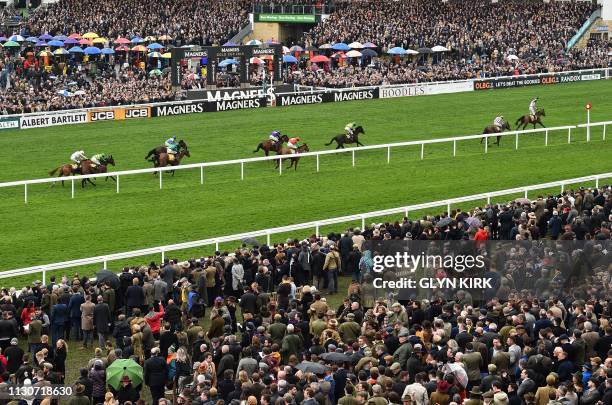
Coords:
341,139
270,146
295,155
165,159
495,129
531,119
161,149
87,167
65,170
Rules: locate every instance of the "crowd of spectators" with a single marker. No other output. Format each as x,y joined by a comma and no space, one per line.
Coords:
256,327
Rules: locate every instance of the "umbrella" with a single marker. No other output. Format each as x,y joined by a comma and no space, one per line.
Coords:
266,57
311,367
286,50
522,201
155,55
74,36
256,61
55,42
32,39
11,44
230,44
45,37
271,42
90,35
64,93
325,46
289,59
155,45
150,38
369,52
40,43
424,50
512,57
155,72
45,53
92,50
3,39
139,48
61,51
439,48
353,54
312,48
457,371
120,368
107,276
335,357
228,62
75,49
166,55
444,221
107,51
341,46
369,45
412,52
398,50
356,45
137,40
71,41
165,38
121,41
84,42
319,58
60,37
16,38
99,40
122,48
254,42
296,48
473,222
249,240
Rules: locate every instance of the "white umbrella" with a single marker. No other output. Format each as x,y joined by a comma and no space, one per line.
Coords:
610,53
356,45
325,46
254,42
439,48
286,50
512,57
353,54
411,52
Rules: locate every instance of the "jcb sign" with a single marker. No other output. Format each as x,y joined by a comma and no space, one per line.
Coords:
141,112
120,114
105,115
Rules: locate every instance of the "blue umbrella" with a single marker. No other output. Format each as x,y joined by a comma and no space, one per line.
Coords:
92,50
155,45
16,38
40,43
230,44
70,41
75,49
341,46
45,37
32,39
137,40
108,51
398,50
60,37
55,42
228,62
3,39
289,59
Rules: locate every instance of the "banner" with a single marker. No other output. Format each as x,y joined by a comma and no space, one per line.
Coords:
9,123
286,18
424,89
301,99
205,106
352,95
47,120
533,80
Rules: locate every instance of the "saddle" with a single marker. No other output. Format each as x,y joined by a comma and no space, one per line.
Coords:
74,166
171,157
532,117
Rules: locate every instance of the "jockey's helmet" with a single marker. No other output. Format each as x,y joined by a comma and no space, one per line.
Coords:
276,133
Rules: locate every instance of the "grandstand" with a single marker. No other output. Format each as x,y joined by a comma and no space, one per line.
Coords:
215,277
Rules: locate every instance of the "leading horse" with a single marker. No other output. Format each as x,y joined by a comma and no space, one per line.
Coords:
341,139
528,119
165,159
270,146
295,155
162,149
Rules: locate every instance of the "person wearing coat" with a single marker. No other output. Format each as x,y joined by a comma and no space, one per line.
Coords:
291,345
126,391
59,314
98,377
74,310
102,321
87,325
155,373
134,296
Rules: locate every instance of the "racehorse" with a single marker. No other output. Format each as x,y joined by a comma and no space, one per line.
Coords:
162,149
530,119
296,155
495,129
269,145
65,170
164,159
87,167
342,139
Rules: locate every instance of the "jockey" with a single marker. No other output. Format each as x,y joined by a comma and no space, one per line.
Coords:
350,128
275,136
77,157
499,122
293,144
533,107
171,145
99,159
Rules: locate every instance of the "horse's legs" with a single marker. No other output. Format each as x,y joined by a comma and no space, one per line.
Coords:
359,143
498,139
540,122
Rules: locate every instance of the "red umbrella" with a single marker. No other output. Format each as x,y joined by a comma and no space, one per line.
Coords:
75,36
319,58
122,41
122,48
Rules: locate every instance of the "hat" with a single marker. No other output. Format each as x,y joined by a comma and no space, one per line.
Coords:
587,366
443,386
126,379
488,394
555,213
184,265
80,388
395,366
14,341
396,304
350,316
476,391
196,365
563,337
403,333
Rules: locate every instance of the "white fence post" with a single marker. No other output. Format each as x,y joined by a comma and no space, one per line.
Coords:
117,184
353,152
422,151
268,238
486,144
526,193
317,229
596,181
388,154
546,138
604,132
160,180
362,223
454,148
562,187
406,212
569,135
488,199
25,193
44,277
448,208
105,263
516,142
216,245
201,174
242,171
72,188
280,166
163,257
317,163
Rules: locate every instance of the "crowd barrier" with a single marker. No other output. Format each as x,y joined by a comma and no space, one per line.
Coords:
360,219
225,100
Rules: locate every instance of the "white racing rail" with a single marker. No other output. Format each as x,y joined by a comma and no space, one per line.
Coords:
315,225
317,155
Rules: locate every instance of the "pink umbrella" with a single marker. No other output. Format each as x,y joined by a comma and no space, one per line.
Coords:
84,42
122,48
122,41
319,58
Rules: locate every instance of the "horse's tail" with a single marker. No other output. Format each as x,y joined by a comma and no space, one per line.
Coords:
260,146
52,172
151,152
519,120
330,142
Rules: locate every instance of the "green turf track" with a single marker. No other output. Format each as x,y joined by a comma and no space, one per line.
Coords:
53,227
